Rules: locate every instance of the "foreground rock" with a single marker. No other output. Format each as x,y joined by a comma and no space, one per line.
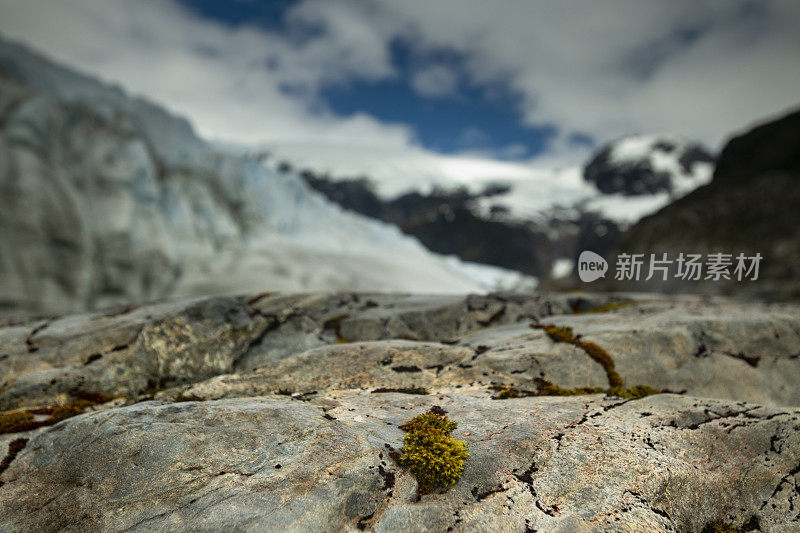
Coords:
275,412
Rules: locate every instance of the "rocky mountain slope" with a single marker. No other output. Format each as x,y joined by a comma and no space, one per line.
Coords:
106,199
280,412
749,207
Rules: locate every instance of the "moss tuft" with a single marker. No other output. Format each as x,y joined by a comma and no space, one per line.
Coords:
430,420
402,390
546,388
564,334
434,457
605,308
507,393
551,389
93,397
556,333
719,526
16,422
19,421
633,393
188,398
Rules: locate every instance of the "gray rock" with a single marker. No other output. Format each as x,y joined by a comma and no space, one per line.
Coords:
268,418
664,463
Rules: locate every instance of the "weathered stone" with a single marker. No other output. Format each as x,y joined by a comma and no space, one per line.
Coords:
663,463
274,412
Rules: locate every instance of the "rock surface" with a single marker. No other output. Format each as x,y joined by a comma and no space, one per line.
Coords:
274,412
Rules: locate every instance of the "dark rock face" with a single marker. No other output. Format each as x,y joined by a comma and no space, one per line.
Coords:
457,230
770,148
616,170
751,206
274,412
355,194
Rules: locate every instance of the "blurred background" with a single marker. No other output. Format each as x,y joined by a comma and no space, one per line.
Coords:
169,148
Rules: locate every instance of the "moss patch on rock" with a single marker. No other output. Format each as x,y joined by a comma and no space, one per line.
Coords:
616,384
19,421
401,390
605,308
546,388
564,334
429,452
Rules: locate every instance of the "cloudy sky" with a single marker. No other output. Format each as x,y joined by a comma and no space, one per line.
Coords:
523,81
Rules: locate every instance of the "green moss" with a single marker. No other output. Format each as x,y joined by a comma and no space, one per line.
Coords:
430,420
605,308
93,397
551,389
616,386
719,526
556,333
402,390
564,334
188,398
18,421
434,457
633,393
505,394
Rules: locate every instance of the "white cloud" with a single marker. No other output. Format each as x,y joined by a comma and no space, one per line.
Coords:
603,69
619,67
238,84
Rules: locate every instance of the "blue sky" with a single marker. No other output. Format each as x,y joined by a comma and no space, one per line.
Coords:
264,13
536,84
467,119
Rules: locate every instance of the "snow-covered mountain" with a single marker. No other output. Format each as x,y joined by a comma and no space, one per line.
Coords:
508,214
624,181
648,164
106,199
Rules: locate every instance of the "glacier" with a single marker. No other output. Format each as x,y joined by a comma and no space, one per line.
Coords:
109,199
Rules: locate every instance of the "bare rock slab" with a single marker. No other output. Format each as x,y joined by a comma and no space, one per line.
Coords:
276,412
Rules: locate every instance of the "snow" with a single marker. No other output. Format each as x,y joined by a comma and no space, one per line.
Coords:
398,171
627,210
637,148
562,267
535,194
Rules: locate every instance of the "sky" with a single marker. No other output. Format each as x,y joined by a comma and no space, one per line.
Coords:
501,84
